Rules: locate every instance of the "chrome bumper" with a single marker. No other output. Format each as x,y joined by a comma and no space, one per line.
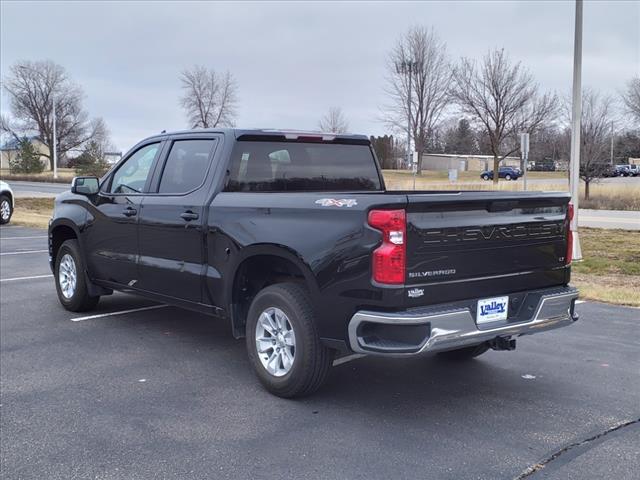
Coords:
445,328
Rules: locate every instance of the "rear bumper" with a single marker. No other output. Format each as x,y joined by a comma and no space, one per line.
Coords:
450,326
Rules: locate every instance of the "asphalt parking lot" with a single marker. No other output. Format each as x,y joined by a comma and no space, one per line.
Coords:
165,393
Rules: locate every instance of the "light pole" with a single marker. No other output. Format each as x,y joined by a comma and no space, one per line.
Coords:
54,147
408,67
575,128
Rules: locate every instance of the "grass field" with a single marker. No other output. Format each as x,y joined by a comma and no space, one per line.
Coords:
610,269
609,272
64,176
604,196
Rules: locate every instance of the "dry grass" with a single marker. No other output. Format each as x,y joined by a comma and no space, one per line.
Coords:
33,212
604,196
610,269
64,176
443,176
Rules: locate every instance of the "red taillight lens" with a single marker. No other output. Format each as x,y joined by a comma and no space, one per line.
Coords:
389,258
569,255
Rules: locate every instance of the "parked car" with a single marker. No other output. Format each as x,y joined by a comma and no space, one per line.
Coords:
543,166
622,171
7,203
634,169
293,240
508,173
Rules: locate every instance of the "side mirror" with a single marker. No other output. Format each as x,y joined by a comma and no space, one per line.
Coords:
85,185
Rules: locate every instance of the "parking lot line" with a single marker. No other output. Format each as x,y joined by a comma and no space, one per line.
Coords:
119,312
24,278
23,252
23,238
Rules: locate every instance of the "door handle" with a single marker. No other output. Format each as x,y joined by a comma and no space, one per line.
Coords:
129,212
188,216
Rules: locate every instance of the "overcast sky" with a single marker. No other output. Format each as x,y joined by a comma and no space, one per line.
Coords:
292,61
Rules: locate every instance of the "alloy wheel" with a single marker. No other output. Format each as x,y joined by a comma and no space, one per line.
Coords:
275,341
67,276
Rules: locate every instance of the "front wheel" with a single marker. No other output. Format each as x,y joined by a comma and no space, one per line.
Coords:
507,177
71,283
283,344
485,177
6,209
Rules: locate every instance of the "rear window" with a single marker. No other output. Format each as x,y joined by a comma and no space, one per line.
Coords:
186,166
294,167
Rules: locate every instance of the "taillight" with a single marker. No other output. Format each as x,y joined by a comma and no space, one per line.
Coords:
389,258
569,256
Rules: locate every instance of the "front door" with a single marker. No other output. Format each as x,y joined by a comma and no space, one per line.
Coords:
172,220
111,239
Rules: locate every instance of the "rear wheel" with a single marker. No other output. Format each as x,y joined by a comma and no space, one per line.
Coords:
6,209
283,343
466,353
71,283
507,177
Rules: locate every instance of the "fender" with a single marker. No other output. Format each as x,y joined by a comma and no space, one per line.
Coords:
281,251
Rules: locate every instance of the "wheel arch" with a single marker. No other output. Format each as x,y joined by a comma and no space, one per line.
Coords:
257,267
9,193
59,232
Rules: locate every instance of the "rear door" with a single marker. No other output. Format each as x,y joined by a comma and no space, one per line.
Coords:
476,244
172,219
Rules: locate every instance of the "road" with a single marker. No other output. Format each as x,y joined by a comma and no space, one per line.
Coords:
627,220
165,393
37,189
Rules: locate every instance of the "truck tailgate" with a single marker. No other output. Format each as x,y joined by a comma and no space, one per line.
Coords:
484,243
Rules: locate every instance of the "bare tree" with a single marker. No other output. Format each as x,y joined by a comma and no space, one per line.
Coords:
209,99
426,87
503,99
595,135
32,88
334,121
631,98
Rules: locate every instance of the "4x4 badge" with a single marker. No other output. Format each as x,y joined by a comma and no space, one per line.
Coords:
337,202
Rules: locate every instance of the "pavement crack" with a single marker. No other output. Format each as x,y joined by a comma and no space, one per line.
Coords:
543,463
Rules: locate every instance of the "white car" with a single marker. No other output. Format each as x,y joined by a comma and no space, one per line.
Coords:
6,203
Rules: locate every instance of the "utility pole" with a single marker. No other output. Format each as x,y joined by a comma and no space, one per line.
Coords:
55,138
524,152
575,128
612,142
406,67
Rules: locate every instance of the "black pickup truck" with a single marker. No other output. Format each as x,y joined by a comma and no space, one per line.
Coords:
294,241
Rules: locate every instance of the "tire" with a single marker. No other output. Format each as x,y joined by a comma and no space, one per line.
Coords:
6,209
485,177
72,292
507,177
466,353
311,360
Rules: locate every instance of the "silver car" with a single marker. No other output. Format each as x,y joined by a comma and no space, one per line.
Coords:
6,203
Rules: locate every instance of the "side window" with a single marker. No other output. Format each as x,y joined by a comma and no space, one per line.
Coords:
132,175
186,166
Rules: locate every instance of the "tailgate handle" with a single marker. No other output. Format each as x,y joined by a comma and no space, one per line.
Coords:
501,206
